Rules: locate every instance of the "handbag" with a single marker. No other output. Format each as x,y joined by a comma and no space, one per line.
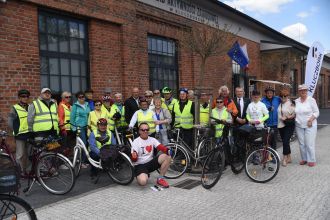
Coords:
288,121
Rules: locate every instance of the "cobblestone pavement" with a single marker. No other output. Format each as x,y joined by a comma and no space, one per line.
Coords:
297,192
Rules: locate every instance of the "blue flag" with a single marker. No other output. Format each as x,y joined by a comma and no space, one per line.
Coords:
236,53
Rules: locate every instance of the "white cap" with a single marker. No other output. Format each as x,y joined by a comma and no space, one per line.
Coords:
302,87
45,90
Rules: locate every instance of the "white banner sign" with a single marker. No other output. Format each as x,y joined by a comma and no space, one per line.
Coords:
313,66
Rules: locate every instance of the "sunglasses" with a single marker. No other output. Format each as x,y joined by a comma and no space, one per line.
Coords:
148,96
81,97
156,92
284,96
98,104
144,130
24,96
68,97
219,101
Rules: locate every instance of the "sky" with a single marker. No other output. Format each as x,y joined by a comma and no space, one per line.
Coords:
303,20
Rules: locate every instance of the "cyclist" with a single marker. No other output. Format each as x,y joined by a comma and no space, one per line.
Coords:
164,119
95,115
149,96
204,109
144,115
220,112
257,112
117,113
64,112
101,132
229,103
168,100
272,103
144,160
17,121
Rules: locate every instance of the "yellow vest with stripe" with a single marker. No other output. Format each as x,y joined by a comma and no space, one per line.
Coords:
121,122
97,134
67,113
45,119
169,106
184,119
148,119
93,118
23,123
223,116
204,115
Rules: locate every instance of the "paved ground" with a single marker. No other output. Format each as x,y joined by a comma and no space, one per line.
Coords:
297,192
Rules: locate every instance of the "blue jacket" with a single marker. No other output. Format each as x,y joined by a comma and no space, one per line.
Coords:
79,115
272,106
92,142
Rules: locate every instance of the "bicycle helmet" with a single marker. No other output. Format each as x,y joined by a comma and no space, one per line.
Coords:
269,88
183,90
102,121
106,98
166,90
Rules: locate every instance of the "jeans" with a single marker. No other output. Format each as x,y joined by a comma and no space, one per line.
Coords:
286,133
83,136
163,139
306,139
274,137
95,157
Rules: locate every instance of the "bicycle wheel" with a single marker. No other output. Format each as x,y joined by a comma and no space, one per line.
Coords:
238,160
212,168
262,165
77,165
205,148
179,162
121,170
13,207
55,173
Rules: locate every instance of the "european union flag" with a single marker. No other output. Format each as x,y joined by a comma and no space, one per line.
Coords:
236,53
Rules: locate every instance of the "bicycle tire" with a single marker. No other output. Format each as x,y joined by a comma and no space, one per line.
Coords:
213,168
77,165
122,170
50,166
179,162
205,148
13,207
258,164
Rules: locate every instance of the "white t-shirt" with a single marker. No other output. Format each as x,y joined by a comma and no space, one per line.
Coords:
145,149
257,112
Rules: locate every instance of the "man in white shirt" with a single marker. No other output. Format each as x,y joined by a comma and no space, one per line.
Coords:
143,151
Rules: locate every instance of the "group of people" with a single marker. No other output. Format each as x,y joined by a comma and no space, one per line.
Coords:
154,115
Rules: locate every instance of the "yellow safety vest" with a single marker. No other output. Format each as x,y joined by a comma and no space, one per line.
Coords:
147,119
23,123
169,106
184,119
93,118
45,119
219,127
67,113
97,134
121,122
204,115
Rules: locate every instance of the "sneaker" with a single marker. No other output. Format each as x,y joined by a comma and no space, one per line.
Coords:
303,162
311,164
162,182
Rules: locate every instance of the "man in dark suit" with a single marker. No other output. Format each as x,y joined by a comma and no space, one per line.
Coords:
241,104
131,105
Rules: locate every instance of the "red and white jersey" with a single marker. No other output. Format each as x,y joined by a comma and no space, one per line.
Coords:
145,149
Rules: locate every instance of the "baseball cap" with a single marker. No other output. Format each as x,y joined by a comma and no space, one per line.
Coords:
45,90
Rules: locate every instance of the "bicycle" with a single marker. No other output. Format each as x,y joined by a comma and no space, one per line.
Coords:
51,169
183,155
121,170
261,163
11,206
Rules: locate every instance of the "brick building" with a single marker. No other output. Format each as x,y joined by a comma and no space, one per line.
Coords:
73,45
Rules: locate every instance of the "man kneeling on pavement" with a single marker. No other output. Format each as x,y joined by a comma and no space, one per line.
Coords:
145,161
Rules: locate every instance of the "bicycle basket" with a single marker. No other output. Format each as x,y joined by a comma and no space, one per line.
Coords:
9,175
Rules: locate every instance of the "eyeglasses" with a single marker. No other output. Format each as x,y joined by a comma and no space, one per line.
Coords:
144,130
24,96
219,101
284,96
68,97
156,93
81,97
98,104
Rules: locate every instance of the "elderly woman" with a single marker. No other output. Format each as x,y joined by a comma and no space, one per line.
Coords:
220,112
286,124
149,97
307,112
164,119
64,111
229,103
95,115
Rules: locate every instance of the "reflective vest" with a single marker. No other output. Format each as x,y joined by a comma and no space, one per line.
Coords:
45,119
97,134
121,122
67,113
184,119
204,115
23,123
219,127
169,106
93,118
148,119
